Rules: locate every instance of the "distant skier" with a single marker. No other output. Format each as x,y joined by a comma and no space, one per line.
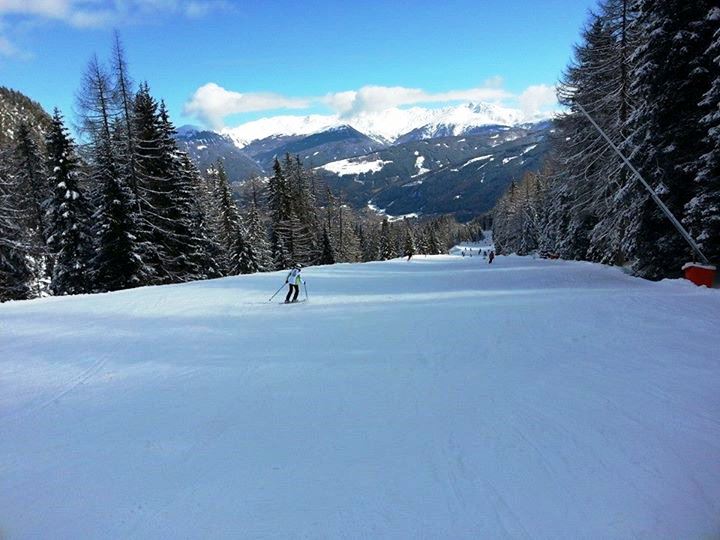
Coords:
293,280
463,252
491,256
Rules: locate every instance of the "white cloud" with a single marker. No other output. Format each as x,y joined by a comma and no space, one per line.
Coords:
10,50
42,8
96,13
211,103
537,99
370,99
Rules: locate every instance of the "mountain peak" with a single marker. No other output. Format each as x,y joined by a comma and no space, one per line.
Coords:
388,125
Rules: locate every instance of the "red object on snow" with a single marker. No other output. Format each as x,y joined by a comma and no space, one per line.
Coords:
700,274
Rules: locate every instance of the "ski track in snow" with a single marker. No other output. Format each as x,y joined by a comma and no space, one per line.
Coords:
440,398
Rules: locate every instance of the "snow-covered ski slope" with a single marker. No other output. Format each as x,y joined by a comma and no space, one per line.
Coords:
440,398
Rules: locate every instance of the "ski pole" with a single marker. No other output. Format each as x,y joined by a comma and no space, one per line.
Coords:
274,295
305,287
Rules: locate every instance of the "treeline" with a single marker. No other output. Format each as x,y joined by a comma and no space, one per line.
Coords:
308,224
648,71
126,208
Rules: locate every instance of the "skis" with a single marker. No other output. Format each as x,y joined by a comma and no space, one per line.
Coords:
295,302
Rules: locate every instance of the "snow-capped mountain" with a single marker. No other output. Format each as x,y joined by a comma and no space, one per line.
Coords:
456,160
385,126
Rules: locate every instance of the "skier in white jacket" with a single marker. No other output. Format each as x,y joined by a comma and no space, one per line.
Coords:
293,280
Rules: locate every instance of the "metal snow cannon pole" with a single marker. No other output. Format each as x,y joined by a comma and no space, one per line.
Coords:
700,274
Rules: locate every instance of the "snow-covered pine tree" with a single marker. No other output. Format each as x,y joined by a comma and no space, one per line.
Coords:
670,79
702,212
618,190
32,182
152,169
228,225
434,247
505,223
409,247
68,214
327,256
591,197
421,240
242,258
185,245
348,245
281,257
15,271
371,245
205,252
582,151
387,242
117,263
239,256
280,206
305,210
256,232
31,199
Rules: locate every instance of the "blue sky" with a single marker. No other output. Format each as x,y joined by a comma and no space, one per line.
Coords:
220,63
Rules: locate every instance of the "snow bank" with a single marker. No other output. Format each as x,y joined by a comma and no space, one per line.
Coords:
419,162
345,167
437,398
475,160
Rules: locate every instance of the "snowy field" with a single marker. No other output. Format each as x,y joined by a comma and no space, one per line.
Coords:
440,398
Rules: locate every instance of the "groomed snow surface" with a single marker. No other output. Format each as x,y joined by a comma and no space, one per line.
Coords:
437,398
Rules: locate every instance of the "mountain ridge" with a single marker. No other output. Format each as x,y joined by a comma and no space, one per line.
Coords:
459,165
386,126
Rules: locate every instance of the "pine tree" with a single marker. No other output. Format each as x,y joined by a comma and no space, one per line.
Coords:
204,252
242,257
409,247
239,256
228,221
371,245
32,182
68,214
328,255
348,245
280,205
434,247
281,257
591,197
256,235
31,199
183,247
117,263
15,271
207,199
122,98
302,221
703,210
387,242
152,167
421,240
670,81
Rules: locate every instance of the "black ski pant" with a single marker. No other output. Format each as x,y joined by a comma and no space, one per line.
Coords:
292,288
